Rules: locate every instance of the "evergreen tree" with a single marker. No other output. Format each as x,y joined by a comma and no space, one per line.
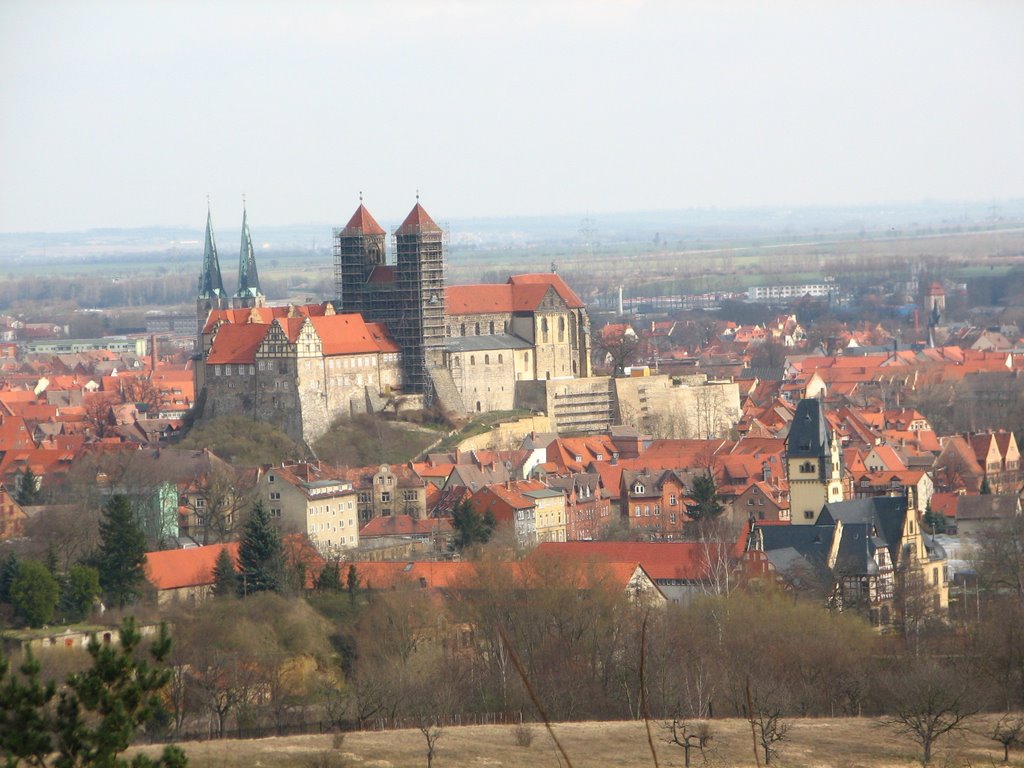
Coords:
97,711
225,577
34,593
986,489
121,558
7,573
28,489
706,505
79,591
260,554
51,562
934,522
352,581
330,577
471,527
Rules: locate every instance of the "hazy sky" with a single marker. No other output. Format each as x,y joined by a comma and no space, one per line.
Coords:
130,113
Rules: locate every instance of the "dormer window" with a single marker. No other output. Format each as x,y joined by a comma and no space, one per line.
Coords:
638,488
600,457
579,458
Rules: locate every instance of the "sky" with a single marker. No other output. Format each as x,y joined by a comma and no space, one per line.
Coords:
128,114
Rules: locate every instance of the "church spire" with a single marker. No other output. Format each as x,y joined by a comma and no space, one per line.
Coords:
210,284
248,277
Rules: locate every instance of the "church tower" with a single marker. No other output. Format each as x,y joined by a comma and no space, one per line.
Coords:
358,248
248,293
813,463
419,282
211,287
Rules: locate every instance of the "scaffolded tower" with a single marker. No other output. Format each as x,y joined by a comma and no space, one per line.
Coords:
419,283
358,248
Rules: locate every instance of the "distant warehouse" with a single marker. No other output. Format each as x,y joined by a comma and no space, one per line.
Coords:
780,292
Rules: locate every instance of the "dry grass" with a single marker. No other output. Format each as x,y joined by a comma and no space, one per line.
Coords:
824,743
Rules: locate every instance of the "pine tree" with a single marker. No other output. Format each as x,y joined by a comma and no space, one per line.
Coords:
79,590
330,577
225,577
96,713
260,554
986,489
706,505
352,581
471,527
121,558
28,489
7,573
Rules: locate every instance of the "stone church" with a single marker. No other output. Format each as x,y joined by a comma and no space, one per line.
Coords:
391,332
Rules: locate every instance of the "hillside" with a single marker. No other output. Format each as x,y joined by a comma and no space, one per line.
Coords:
812,743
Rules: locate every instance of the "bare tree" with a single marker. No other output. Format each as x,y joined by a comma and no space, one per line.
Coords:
688,736
764,710
431,733
1008,731
927,701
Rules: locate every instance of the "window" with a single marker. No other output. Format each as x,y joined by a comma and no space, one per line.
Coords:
275,511
364,498
561,329
638,488
216,370
672,500
275,495
462,330
487,359
657,509
478,329
227,370
935,577
808,514
647,510
492,327
270,478
385,497
807,466
472,360
500,361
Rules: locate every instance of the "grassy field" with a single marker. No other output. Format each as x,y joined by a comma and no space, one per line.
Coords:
825,743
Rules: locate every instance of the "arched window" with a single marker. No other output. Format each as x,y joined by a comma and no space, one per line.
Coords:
506,327
472,359
487,359
544,329
462,330
561,330
478,405
527,357
492,327
478,329
500,361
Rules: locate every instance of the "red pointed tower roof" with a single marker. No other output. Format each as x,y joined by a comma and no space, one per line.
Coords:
362,223
418,220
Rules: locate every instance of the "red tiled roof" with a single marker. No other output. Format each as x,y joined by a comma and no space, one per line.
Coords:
661,560
522,293
237,343
382,275
346,334
177,568
362,223
417,221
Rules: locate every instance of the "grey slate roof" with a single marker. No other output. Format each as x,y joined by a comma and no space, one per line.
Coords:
808,433
485,343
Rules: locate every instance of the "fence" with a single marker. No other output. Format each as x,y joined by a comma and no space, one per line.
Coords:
309,727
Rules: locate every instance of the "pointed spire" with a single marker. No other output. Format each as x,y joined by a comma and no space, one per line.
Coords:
248,277
210,284
417,221
362,222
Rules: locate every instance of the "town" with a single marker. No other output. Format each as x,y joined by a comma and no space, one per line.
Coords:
652,460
